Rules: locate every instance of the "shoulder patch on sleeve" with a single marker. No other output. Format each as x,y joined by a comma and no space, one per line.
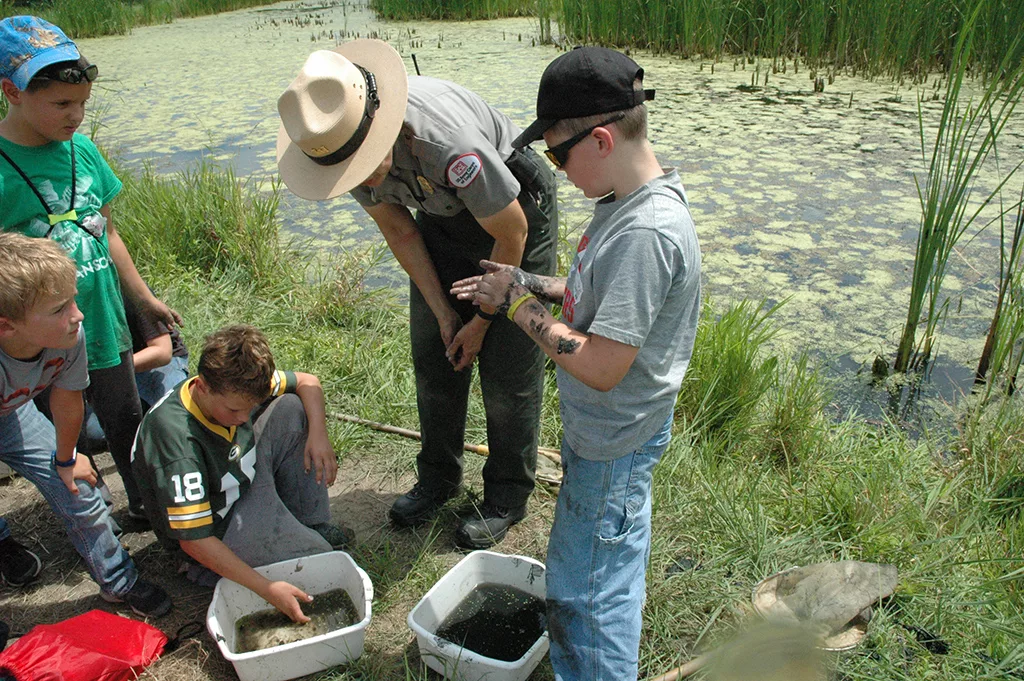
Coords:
463,170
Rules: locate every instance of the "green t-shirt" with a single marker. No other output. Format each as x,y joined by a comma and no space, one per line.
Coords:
192,471
49,169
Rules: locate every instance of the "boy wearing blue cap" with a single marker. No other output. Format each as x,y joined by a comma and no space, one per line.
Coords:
55,184
629,318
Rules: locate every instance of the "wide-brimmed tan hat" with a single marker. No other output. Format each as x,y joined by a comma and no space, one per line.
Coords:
340,117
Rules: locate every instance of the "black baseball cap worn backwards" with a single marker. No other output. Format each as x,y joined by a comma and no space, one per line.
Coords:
584,82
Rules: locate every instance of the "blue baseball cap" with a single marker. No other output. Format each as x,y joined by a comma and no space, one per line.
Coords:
30,44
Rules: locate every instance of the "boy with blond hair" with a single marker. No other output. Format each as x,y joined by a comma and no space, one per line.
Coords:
55,184
42,343
232,491
629,318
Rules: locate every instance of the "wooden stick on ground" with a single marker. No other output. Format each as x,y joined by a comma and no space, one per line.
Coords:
552,455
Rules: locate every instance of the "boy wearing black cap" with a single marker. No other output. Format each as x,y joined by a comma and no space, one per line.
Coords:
629,316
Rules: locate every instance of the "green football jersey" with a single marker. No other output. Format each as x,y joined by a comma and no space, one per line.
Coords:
191,471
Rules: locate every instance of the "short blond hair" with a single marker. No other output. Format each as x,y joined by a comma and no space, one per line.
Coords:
237,359
32,269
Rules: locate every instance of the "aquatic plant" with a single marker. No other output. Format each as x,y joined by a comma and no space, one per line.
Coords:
91,18
1007,326
404,10
967,133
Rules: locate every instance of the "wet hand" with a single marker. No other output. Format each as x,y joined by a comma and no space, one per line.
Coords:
467,343
287,599
319,457
498,287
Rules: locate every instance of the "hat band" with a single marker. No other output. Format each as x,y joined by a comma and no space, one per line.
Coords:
369,111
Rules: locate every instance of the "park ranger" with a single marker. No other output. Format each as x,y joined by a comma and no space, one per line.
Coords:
353,121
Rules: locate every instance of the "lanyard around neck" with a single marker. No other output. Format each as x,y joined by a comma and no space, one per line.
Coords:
54,218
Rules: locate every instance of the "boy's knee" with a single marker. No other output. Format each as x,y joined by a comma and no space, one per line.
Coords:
286,412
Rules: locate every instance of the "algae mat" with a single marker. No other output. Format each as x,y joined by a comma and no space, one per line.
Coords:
796,194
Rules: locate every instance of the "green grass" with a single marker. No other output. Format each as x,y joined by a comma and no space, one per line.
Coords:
91,18
757,478
457,10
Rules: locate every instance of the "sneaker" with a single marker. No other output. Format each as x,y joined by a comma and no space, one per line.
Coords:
487,526
340,538
136,520
18,565
419,504
143,598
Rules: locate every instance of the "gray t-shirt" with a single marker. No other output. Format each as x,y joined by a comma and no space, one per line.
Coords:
636,280
23,379
450,155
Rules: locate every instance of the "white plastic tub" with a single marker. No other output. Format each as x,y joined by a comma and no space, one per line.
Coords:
314,575
453,661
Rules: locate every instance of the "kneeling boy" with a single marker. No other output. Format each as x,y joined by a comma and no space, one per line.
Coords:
233,493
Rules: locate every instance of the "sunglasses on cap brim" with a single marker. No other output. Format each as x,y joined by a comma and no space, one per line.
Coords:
559,154
73,75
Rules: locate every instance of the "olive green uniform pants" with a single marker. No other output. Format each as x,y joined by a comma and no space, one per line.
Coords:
511,365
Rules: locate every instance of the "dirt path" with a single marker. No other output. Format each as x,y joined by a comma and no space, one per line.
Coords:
401,564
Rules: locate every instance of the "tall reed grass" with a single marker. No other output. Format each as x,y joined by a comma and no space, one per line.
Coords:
967,133
91,18
458,10
872,36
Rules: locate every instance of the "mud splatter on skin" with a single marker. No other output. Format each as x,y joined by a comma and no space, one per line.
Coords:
567,346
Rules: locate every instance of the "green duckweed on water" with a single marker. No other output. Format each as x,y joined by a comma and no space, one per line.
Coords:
797,195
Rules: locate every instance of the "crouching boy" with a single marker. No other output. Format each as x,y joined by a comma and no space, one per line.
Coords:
629,317
42,344
231,493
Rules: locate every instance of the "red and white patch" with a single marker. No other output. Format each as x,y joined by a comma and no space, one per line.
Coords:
463,170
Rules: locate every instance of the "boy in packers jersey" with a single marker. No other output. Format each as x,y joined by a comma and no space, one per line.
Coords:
233,493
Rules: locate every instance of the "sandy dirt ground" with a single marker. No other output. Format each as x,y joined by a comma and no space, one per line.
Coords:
359,499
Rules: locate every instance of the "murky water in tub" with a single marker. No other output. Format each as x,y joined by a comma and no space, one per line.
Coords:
329,611
496,621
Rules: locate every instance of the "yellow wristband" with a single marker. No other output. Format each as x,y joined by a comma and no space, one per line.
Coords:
515,306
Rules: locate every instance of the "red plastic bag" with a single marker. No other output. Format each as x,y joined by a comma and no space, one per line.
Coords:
96,646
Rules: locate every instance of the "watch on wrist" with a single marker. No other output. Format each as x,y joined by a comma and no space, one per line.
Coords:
64,464
489,316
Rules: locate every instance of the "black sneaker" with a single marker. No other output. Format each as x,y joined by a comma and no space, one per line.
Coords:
18,565
419,504
487,526
340,538
143,598
135,520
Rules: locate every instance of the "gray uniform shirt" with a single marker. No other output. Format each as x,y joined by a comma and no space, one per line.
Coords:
23,379
636,280
450,155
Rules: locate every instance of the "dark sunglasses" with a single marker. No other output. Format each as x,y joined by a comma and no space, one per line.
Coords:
74,75
559,154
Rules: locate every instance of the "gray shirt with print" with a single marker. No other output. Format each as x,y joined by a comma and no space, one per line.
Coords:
450,155
636,280
23,379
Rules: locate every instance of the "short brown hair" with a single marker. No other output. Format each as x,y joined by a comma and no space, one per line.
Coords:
237,359
633,124
32,269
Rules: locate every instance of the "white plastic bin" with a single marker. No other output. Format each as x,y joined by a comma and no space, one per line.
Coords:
314,575
454,661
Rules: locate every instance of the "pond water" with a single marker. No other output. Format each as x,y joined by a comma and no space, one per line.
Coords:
796,194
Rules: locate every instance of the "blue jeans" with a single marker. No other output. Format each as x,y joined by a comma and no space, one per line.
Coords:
597,560
26,442
5,531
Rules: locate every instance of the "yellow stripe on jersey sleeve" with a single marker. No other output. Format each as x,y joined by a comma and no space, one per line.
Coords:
187,517
185,510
